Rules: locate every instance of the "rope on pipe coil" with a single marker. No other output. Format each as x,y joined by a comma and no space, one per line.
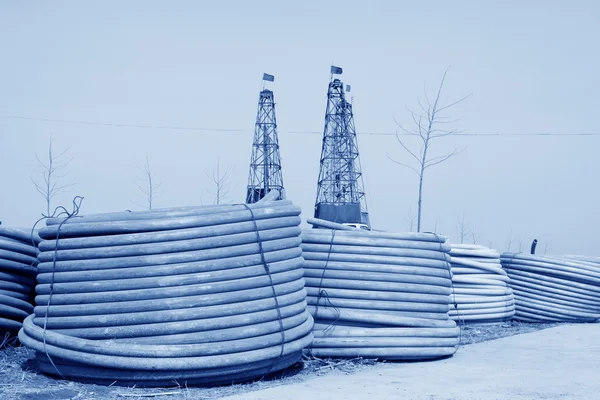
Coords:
198,295
378,294
554,288
481,289
18,266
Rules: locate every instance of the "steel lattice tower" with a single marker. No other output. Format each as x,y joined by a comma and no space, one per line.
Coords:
265,164
340,193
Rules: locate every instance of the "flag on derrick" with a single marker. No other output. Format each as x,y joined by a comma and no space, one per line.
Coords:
336,70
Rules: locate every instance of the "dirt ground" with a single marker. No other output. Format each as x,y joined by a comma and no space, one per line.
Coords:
20,380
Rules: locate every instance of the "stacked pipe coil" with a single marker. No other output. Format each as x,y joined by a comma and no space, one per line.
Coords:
480,286
377,294
593,260
17,278
200,296
553,289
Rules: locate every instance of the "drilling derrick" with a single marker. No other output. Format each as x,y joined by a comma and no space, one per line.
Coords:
340,193
265,164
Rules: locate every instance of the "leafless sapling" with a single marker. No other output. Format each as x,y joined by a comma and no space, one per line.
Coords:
148,185
222,182
546,246
509,240
463,228
429,125
474,235
411,219
53,181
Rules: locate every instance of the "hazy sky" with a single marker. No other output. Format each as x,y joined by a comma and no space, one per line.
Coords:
532,67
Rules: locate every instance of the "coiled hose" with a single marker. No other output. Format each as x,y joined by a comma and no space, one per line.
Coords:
480,285
17,278
553,289
377,294
198,295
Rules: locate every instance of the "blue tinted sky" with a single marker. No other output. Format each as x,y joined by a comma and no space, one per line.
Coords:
532,67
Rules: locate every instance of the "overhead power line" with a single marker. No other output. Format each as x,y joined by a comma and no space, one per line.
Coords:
189,128
116,125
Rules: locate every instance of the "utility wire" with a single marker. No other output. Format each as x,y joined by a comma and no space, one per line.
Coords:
183,128
62,121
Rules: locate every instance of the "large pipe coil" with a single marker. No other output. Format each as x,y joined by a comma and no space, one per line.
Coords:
554,289
378,294
18,267
481,292
198,295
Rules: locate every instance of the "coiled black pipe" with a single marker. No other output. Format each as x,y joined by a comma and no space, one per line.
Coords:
554,289
197,295
18,266
477,269
377,294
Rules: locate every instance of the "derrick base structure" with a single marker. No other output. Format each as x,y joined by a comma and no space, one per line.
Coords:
255,194
341,213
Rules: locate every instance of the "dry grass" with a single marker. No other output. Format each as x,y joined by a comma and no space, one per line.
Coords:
20,379
485,332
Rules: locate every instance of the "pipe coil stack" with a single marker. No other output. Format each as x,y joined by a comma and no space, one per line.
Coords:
17,278
553,289
199,296
378,295
593,260
480,286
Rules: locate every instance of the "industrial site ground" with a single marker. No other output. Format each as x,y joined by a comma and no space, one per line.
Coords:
19,379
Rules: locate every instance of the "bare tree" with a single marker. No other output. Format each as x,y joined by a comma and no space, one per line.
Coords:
474,235
411,219
509,240
429,125
222,183
546,245
463,229
520,246
52,182
148,185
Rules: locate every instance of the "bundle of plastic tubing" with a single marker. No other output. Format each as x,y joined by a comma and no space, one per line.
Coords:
377,294
480,288
18,267
554,289
198,296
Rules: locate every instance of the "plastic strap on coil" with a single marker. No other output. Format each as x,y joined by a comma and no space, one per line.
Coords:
461,321
511,259
323,293
268,271
59,211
